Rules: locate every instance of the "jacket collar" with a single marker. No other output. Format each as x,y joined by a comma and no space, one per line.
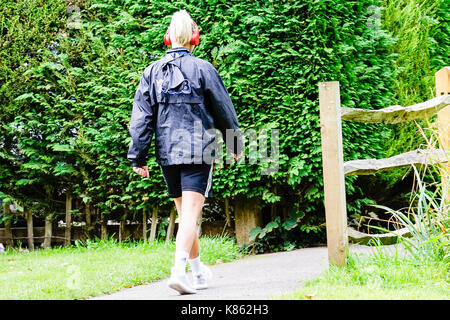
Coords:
180,50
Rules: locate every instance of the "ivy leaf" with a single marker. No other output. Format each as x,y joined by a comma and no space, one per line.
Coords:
293,221
262,233
254,233
272,225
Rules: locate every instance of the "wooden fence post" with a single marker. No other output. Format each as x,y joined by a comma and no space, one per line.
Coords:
103,226
88,209
171,226
30,231
68,229
48,231
144,224
333,172
154,224
442,79
123,221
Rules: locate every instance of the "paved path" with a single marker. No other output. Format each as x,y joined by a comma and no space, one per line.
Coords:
258,277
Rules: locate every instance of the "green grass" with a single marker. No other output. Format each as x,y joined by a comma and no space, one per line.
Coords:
418,269
96,268
379,277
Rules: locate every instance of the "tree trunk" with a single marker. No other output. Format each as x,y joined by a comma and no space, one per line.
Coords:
154,224
68,230
48,231
273,208
88,214
284,207
273,212
8,231
227,212
144,225
247,215
171,227
30,232
284,210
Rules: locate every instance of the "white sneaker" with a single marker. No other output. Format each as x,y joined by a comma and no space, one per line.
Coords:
200,279
179,282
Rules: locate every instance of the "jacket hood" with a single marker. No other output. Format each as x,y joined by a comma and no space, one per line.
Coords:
174,81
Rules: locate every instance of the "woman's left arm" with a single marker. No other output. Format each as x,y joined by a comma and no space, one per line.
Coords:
221,107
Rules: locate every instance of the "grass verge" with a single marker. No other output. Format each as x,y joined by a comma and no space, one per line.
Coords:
96,268
378,277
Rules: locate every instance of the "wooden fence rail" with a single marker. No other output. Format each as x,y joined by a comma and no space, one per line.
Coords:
335,169
396,114
417,157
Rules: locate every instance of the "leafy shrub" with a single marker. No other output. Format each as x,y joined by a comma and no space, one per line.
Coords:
280,235
65,127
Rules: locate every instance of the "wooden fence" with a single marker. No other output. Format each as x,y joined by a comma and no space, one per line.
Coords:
51,233
247,215
96,224
335,169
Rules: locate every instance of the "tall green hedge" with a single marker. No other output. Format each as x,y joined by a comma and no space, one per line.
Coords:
421,30
27,29
65,113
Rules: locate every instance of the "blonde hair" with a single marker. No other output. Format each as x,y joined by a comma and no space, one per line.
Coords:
181,28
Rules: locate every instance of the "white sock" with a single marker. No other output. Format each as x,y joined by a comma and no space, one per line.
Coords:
195,264
181,258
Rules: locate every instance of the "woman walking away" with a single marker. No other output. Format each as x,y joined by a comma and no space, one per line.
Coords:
182,100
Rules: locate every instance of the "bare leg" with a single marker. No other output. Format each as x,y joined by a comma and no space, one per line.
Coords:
195,246
189,206
187,235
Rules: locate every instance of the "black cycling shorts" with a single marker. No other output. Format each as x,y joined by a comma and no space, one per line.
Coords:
188,177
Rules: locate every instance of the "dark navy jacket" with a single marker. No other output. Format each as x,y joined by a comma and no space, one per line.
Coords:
182,100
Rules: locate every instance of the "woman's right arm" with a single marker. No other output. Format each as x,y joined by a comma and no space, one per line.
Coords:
141,124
